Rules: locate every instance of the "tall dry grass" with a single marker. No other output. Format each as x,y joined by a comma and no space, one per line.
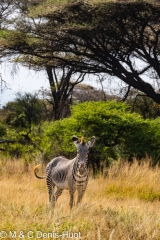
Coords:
124,205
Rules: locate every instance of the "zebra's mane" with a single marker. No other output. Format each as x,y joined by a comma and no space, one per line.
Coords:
82,140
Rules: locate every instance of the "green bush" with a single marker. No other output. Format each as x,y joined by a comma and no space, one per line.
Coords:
119,133
2,129
21,144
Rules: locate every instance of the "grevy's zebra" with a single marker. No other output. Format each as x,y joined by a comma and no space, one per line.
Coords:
68,174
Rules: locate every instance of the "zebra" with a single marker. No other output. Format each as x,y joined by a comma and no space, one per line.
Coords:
68,174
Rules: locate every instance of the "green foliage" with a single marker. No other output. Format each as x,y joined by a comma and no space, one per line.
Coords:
119,133
10,38
23,134
143,105
2,129
26,110
24,145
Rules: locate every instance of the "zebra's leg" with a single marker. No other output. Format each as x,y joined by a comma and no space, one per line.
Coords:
52,196
81,192
58,193
55,196
71,192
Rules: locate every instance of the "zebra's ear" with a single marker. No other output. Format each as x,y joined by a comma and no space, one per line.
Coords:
75,140
91,142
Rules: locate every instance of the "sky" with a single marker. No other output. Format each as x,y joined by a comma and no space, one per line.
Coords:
25,80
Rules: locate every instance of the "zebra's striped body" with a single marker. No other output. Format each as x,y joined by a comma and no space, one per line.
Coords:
69,174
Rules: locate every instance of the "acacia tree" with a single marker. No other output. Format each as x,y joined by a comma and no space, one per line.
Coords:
62,79
62,88
6,7
117,38
110,38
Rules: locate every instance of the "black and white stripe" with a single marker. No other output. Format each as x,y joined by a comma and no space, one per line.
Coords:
63,173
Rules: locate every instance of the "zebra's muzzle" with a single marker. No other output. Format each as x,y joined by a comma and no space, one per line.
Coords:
82,168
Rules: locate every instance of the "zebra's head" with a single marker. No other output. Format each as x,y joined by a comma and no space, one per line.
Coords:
82,152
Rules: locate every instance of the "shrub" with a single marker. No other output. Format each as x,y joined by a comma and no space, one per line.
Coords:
119,133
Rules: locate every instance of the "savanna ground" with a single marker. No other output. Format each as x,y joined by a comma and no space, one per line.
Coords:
122,206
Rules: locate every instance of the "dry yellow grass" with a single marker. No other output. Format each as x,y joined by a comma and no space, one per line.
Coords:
125,205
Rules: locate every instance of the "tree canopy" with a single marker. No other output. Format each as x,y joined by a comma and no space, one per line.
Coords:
119,38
